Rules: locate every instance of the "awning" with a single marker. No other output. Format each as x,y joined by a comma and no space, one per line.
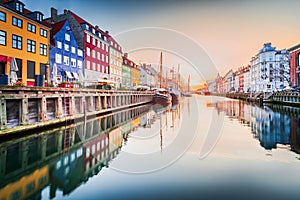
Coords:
69,75
75,75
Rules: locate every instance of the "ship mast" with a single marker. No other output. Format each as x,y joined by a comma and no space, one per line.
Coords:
189,81
160,69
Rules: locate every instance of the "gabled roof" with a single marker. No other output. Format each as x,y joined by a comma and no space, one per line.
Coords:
57,26
80,20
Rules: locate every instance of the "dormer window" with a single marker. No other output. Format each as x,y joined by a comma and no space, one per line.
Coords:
39,17
19,7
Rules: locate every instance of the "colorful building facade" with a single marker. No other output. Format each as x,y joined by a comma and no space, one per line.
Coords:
135,75
115,61
66,59
295,65
92,40
126,72
24,38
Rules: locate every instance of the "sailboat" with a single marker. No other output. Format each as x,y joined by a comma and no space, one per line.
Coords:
162,95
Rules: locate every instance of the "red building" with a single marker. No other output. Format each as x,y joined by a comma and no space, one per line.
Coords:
295,65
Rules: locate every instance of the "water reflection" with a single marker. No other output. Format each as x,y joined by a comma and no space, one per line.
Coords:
272,125
65,157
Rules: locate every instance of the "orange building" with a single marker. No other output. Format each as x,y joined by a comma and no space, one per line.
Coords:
24,40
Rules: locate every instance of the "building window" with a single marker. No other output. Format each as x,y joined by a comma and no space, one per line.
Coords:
106,59
79,62
43,49
2,16
93,53
43,32
30,69
17,22
102,57
19,7
98,43
16,42
3,38
66,60
73,62
67,47
88,51
79,52
73,50
59,45
106,47
98,67
94,41
103,46
298,60
31,27
67,37
98,55
58,58
88,64
88,38
94,66
31,46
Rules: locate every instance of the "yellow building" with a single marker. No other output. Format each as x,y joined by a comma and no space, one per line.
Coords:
135,76
27,185
24,40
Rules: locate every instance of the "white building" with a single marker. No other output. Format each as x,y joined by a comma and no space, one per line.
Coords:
229,81
247,85
146,77
269,69
212,86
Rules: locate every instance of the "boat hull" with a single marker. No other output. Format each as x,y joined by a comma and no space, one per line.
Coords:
162,99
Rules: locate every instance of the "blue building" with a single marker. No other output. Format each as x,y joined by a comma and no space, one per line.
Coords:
66,58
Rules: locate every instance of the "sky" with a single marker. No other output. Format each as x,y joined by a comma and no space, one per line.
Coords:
225,34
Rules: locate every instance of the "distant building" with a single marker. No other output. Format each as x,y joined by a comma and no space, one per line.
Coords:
127,65
135,75
269,69
212,86
23,38
65,56
295,65
147,76
115,60
229,81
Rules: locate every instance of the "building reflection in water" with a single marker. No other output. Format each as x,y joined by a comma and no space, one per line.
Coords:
270,124
65,157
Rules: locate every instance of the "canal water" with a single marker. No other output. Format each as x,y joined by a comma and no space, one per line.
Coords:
203,148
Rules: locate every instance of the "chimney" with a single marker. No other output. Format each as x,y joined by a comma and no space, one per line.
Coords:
97,27
65,11
126,55
53,15
107,32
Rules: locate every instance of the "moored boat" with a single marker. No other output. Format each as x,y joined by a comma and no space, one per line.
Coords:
162,96
176,95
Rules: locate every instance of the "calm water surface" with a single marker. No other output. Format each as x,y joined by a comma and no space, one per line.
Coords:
203,148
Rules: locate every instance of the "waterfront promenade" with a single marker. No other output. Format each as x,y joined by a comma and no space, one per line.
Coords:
284,98
27,108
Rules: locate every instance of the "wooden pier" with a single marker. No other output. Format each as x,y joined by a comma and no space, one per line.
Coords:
25,108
